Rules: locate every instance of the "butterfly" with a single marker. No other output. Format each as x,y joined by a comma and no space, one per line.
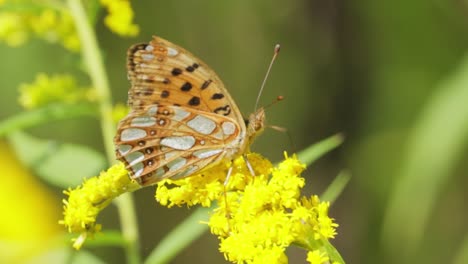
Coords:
182,119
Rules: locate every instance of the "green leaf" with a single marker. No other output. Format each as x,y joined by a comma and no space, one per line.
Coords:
317,150
435,145
44,115
16,7
332,252
61,164
334,190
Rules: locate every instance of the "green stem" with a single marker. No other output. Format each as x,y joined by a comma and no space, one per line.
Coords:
94,62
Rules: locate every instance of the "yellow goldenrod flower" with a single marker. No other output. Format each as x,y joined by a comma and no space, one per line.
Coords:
120,17
49,89
12,29
51,23
257,217
86,201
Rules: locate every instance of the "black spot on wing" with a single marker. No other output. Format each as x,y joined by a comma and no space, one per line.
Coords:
176,71
206,84
217,96
194,101
223,110
186,87
164,94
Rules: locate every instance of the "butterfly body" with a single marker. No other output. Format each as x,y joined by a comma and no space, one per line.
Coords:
182,118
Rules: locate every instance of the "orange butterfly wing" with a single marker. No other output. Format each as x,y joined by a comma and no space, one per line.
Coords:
182,118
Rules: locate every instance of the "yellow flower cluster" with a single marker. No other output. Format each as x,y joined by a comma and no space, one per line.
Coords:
258,216
120,17
86,201
49,89
53,25
52,21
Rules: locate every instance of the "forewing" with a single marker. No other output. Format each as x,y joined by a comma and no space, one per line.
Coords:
164,73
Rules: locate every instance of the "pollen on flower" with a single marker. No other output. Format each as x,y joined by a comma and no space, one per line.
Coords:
86,201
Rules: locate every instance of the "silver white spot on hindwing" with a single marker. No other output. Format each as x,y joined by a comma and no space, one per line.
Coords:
143,121
134,158
159,173
205,153
149,48
176,164
202,125
124,149
152,110
147,57
179,143
169,155
180,114
130,134
137,169
172,52
228,128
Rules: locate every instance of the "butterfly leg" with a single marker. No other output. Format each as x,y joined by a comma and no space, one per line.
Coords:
228,175
249,166
226,181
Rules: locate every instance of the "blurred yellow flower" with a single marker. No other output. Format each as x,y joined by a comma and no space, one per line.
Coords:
23,198
49,89
120,17
50,23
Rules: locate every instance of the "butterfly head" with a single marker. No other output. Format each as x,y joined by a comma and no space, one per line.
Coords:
255,124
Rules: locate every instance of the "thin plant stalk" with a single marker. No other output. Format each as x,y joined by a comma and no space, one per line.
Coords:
94,63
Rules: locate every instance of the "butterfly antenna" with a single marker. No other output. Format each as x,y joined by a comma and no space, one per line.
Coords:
275,54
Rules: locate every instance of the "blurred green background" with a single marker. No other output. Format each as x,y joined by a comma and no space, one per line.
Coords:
392,76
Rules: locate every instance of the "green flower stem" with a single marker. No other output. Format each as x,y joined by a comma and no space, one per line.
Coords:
94,62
